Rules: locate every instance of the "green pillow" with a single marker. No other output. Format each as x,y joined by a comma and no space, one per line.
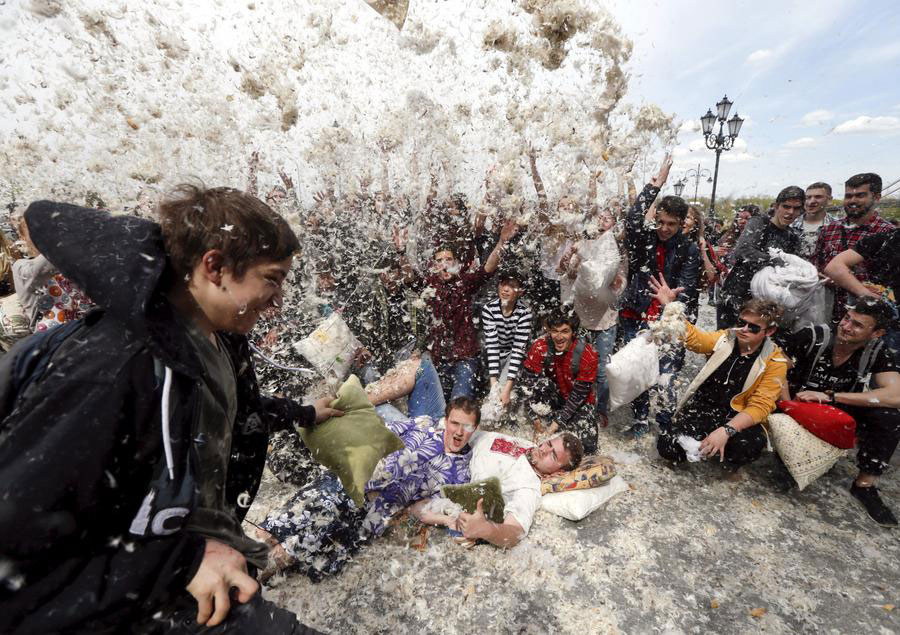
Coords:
351,446
466,496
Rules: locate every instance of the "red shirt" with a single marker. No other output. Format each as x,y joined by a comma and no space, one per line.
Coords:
453,333
561,367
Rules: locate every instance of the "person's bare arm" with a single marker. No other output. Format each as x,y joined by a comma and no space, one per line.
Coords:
592,192
508,230
543,205
289,186
252,186
476,526
839,270
887,395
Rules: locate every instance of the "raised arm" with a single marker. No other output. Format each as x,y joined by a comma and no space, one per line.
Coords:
509,229
747,247
252,186
543,205
592,192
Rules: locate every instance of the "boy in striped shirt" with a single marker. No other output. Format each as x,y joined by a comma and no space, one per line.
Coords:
507,332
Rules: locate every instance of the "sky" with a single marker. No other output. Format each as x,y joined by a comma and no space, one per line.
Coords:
815,82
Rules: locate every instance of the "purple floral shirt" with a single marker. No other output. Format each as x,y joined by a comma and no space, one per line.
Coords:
416,472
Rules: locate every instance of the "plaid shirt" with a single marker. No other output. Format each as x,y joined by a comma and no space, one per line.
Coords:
840,236
453,333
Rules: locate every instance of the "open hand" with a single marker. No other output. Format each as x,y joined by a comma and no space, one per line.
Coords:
660,179
474,526
661,290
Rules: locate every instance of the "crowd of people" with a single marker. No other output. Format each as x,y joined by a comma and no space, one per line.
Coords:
122,492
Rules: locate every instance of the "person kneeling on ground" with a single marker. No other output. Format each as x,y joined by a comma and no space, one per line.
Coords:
560,371
127,467
734,391
519,466
852,369
320,529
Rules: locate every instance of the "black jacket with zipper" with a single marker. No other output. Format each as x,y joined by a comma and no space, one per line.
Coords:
93,494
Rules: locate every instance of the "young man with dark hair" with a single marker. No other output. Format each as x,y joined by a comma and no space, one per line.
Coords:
734,391
453,337
560,372
660,250
751,253
849,368
506,323
520,466
814,218
149,425
861,193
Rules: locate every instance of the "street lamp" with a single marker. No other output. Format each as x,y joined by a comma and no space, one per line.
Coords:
719,141
679,187
696,174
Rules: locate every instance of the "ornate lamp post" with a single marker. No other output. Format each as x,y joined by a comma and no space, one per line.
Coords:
696,174
719,141
678,187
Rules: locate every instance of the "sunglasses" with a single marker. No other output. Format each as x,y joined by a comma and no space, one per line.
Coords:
753,328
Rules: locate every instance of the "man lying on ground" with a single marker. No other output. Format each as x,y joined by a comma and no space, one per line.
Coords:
320,528
851,368
520,466
734,391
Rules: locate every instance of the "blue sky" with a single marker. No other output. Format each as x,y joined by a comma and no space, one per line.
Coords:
815,81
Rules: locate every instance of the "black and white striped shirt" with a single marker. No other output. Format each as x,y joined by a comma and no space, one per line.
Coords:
505,336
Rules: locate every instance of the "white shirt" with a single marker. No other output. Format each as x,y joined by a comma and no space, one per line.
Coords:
502,456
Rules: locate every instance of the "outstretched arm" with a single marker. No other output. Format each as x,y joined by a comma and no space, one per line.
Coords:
839,270
252,186
543,206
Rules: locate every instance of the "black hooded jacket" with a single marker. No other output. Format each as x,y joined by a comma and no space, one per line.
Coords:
93,494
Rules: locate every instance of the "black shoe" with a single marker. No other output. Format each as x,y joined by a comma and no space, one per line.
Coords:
875,507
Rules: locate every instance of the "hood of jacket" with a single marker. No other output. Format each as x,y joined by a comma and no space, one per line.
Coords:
120,263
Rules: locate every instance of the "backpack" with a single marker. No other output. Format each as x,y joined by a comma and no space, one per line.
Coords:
576,357
28,362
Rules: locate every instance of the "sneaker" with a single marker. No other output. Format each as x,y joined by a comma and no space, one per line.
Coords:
875,507
637,430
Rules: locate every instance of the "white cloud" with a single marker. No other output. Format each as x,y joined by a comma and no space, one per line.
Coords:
816,117
802,142
738,157
864,123
689,125
759,55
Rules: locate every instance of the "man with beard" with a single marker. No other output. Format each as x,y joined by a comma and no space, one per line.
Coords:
861,193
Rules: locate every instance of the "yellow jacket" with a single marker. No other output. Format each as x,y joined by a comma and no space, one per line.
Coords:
764,382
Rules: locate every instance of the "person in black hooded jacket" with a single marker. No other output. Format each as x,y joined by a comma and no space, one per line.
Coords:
127,467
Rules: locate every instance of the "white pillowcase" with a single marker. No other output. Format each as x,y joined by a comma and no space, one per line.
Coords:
579,503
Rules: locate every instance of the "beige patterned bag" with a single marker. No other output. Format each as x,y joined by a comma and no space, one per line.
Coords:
806,456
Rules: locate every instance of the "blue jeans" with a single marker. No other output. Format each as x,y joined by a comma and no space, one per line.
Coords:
604,342
669,363
460,376
426,398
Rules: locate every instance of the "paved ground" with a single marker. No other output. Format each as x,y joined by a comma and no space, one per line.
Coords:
682,552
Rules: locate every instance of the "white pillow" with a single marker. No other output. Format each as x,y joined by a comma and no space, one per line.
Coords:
632,370
330,347
577,504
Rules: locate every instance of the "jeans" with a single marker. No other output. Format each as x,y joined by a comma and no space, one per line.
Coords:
743,448
670,362
460,376
604,342
426,398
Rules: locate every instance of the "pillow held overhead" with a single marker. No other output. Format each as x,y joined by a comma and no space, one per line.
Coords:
351,445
